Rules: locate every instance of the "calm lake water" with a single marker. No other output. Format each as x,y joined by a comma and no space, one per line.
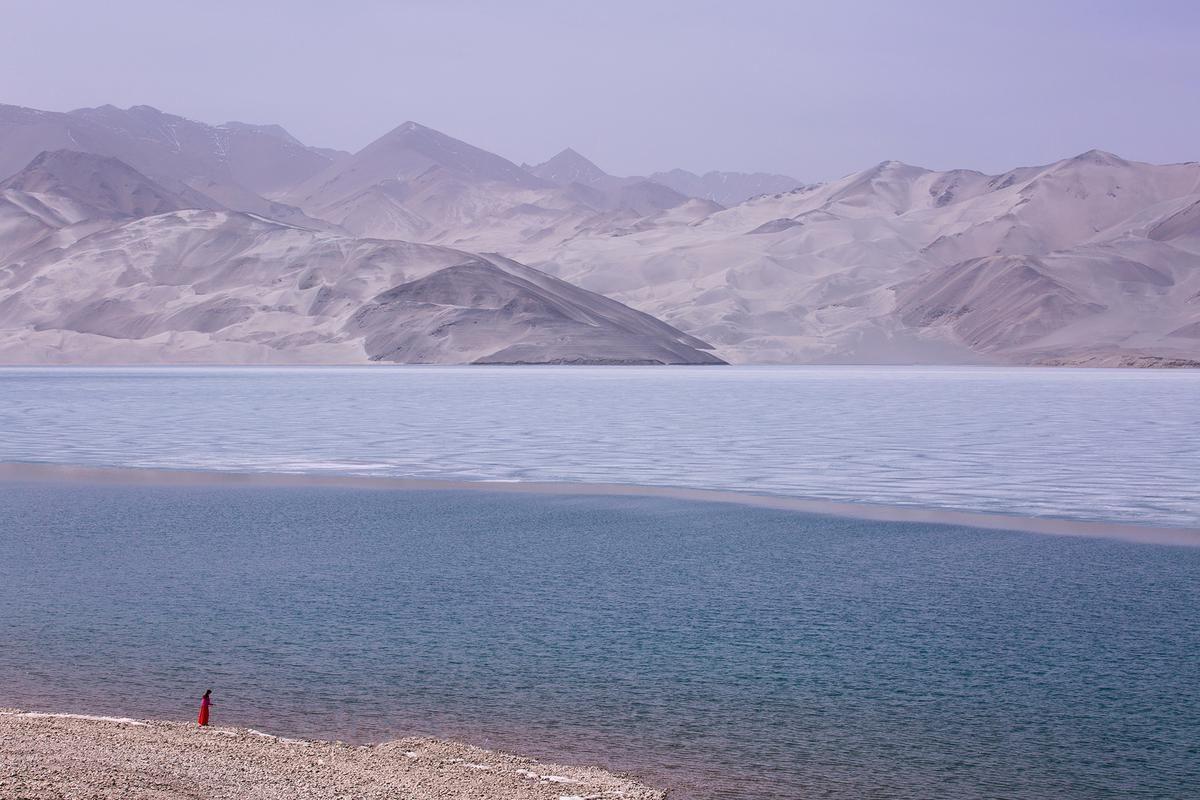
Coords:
1092,444
720,650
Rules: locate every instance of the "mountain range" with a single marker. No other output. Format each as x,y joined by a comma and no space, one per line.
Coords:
132,235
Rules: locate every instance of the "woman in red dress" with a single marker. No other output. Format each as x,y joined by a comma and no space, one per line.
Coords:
205,702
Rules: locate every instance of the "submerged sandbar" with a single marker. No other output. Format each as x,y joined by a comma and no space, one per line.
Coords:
1055,526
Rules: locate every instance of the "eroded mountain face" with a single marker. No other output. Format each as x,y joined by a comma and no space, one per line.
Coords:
103,265
145,236
1091,260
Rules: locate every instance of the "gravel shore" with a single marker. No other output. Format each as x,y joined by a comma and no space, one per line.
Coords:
44,756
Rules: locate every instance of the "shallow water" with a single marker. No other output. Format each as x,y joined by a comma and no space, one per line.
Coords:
723,651
1089,444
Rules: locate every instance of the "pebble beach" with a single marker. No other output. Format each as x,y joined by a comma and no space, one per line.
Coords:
45,756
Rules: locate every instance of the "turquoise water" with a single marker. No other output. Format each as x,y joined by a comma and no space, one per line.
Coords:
723,651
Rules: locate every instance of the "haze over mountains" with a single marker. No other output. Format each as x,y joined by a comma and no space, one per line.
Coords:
726,188
138,236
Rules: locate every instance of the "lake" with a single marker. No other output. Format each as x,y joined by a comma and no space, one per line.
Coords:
723,651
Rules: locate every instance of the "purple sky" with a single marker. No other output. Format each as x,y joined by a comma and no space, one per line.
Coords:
815,90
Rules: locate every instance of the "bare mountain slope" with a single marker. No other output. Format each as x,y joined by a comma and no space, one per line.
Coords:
638,195
993,303
722,188
224,287
467,309
98,186
403,154
261,158
237,165
102,265
416,182
1092,259
64,195
568,166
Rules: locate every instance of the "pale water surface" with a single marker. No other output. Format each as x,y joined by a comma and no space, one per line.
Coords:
1089,444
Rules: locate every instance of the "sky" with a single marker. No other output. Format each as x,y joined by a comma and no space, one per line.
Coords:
815,90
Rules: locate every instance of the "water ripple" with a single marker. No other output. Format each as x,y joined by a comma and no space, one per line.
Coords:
1087,444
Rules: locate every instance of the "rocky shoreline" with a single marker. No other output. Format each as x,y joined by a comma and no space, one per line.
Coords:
58,756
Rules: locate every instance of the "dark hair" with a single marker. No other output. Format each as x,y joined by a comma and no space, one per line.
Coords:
208,691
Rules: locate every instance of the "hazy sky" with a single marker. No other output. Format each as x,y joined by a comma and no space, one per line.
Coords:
812,89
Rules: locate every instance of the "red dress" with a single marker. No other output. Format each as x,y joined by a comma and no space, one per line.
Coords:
204,704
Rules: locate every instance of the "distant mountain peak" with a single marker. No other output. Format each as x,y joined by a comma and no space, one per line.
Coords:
1101,157
110,110
64,166
100,185
413,130
891,165
569,155
568,166
411,148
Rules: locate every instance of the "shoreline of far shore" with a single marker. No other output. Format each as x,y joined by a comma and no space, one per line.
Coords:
54,755
56,473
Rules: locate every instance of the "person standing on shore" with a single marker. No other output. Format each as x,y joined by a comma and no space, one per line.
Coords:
205,702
